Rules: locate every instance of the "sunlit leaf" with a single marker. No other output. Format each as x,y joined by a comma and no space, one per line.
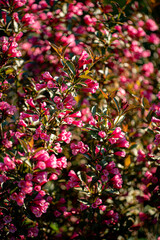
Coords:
31,143
131,107
86,77
124,127
127,161
146,103
104,94
9,70
64,49
128,1
113,94
55,48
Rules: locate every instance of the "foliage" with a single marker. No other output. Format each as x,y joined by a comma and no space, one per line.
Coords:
79,120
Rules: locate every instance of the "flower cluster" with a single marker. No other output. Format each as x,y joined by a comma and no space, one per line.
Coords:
79,120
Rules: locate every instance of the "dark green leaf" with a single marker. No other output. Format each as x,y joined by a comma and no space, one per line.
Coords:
71,67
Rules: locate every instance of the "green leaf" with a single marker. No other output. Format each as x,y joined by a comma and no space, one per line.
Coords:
54,227
90,52
82,176
110,120
23,144
56,49
116,104
9,70
119,119
131,107
71,67
83,201
86,77
93,110
133,146
87,156
149,116
64,49
49,186
94,180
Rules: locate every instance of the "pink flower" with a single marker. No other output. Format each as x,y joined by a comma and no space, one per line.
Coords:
98,201
123,143
57,213
65,136
7,143
28,177
120,153
35,117
12,228
143,216
74,180
104,178
44,136
157,139
108,8
9,163
148,69
51,162
58,147
132,31
47,76
83,206
83,59
140,32
51,84
78,123
41,155
41,165
92,86
153,38
53,176
141,156
151,25
117,181
110,165
33,232
14,196
158,95
28,18
40,86
30,102
102,134
62,162
98,167
105,171
7,219
76,114
20,199
15,16
41,178
94,205
155,120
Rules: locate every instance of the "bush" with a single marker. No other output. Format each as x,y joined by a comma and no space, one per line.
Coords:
79,120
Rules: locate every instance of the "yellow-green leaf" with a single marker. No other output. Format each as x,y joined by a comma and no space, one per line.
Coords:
127,161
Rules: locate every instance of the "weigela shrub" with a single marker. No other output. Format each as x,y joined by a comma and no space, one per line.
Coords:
79,120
